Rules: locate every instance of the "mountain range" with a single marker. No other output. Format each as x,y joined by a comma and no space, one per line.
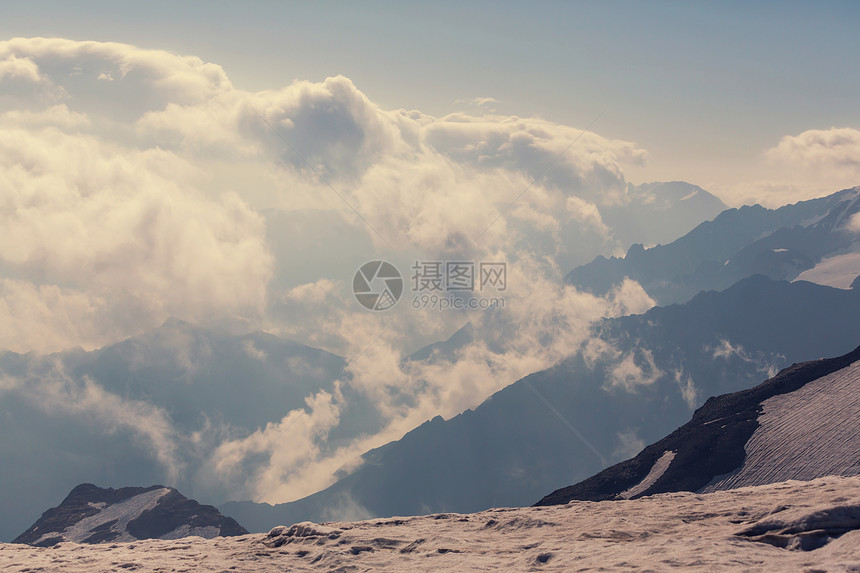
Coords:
779,243
799,425
641,377
128,413
170,390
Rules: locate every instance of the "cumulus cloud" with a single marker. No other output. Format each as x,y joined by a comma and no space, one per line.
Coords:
286,447
102,239
824,148
137,185
14,67
811,164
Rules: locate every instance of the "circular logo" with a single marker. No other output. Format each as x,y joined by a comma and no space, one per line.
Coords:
377,285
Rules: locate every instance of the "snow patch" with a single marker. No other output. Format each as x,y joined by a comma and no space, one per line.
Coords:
119,513
838,271
657,470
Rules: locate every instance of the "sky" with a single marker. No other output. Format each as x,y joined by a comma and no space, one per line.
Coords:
705,88
233,166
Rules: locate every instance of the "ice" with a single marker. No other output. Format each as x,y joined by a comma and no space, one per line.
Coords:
759,528
787,446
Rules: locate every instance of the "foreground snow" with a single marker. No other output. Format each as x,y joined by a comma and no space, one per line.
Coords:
737,529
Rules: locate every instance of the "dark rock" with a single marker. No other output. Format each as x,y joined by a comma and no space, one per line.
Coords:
171,512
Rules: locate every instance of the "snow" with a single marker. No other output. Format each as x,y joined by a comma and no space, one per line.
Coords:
748,529
837,271
786,446
657,470
121,512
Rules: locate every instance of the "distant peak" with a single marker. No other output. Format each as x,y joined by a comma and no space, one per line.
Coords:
174,323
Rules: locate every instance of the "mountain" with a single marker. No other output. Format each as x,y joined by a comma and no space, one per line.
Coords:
660,212
803,423
91,514
779,243
637,379
153,409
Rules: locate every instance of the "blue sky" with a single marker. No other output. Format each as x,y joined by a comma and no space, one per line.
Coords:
705,87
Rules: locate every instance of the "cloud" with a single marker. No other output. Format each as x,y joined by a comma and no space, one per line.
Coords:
101,239
799,167
139,184
55,393
688,389
853,224
635,369
822,148
14,67
479,101
286,447
629,444
727,351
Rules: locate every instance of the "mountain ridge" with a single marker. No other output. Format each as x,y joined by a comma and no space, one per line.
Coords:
701,452
655,369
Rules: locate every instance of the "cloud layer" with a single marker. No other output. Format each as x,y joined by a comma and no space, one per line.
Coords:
138,185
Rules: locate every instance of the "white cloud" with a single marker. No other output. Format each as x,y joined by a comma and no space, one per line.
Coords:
287,447
15,67
726,350
853,223
478,101
56,393
636,368
135,192
688,389
813,163
823,148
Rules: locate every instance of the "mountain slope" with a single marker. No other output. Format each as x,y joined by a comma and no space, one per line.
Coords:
780,243
152,409
637,380
803,423
91,514
660,212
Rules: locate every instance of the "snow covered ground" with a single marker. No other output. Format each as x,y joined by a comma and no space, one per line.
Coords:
741,529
